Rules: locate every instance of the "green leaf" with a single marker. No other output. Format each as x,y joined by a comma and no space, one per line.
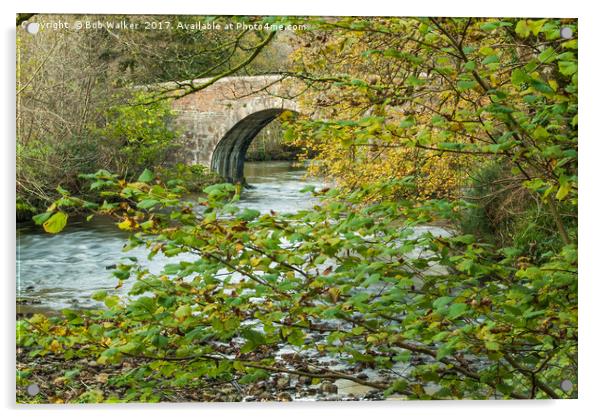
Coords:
147,203
456,310
465,239
519,77
491,59
256,338
442,301
492,345
296,337
308,189
399,386
542,86
534,314
486,50
572,44
56,223
466,84
489,26
183,311
522,29
146,176
253,377
445,350
407,123
129,347
99,295
111,301
469,66
414,81
288,135
567,68
540,133
563,191
547,56
39,219
248,214
535,26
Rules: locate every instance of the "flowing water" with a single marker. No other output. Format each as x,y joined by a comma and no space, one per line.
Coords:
63,270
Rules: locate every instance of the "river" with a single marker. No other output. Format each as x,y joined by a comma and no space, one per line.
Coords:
62,271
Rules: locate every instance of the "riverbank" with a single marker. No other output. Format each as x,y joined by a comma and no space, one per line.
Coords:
194,178
84,381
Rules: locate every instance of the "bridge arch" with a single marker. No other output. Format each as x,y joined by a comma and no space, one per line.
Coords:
228,156
219,122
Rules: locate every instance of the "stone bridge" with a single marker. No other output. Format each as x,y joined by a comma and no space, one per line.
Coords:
220,121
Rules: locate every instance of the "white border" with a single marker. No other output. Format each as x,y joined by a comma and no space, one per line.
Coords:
553,8
590,246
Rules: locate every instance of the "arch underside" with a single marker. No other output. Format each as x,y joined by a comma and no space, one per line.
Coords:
228,158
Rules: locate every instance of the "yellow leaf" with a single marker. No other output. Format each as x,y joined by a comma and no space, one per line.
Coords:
563,191
125,225
540,133
59,380
55,346
60,331
56,223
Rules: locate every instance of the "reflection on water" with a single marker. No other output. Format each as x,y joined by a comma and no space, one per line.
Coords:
63,270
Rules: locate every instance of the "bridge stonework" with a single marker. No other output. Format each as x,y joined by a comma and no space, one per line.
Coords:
219,122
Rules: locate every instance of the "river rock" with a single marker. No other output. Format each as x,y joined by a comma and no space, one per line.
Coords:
284,397
328,387
264,395
304,380
259,386
283,382
28,301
